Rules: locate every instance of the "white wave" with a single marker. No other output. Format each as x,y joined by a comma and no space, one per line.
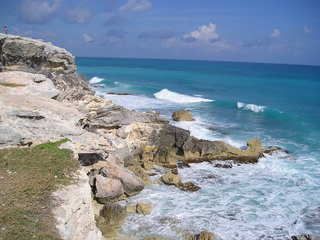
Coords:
170,96
250,107
136,102
95,80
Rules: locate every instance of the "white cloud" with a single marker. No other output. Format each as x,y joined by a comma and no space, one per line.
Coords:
38,11
79,15
136,6
275,33
87,38
306,29
206,33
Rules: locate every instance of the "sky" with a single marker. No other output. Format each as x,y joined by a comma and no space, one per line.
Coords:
275,31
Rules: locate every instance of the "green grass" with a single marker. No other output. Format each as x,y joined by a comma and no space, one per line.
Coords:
27,178
4,84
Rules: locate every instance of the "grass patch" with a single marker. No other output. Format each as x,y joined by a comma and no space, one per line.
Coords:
27,178
5,84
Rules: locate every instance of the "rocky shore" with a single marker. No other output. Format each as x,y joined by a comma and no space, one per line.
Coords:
43,99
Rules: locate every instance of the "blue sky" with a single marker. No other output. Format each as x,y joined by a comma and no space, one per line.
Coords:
277,31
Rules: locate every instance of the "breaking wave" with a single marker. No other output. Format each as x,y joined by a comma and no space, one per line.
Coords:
95,80
250,107
170,96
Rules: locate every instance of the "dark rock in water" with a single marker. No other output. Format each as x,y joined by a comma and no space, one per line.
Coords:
305,237
182,164
274,149
115,93
204,235
189,187
87,159
223,165
182,115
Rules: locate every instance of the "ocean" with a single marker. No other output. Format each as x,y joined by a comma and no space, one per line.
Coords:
280,104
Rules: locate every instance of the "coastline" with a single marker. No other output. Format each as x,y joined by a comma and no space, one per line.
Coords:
118,149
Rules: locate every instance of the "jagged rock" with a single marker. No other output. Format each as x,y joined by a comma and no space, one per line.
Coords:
204,235
274,149
107,189
171,179
182,115
143,208
87,159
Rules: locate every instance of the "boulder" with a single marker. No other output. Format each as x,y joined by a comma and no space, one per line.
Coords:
107,189
305,237
182,115
131,183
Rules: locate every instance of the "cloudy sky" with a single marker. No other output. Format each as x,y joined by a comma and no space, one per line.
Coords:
277,31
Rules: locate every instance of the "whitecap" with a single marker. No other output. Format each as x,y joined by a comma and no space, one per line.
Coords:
170,96
250,107
95,80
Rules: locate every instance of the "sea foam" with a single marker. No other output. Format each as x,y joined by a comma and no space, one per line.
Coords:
171,96
95,80
250,107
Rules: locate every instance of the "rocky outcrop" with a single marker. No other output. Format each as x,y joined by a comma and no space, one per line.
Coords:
182,115
35,56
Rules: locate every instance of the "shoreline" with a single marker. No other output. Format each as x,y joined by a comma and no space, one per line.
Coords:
118,149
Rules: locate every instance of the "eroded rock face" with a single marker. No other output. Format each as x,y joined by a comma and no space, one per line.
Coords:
204,235
35,56
182,115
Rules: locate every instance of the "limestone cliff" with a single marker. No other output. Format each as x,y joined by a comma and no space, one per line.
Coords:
35,56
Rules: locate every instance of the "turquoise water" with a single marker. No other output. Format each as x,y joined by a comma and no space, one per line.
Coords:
279,104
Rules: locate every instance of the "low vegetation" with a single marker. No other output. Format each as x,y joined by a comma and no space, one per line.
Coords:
27,178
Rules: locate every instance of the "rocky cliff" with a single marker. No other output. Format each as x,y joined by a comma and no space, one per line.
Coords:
116,147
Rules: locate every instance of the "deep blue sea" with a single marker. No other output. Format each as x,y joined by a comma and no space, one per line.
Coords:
280,104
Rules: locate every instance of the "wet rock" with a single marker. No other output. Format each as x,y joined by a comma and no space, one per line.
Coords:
171,179
107,189
87,159
204,235
143,208
182,115
112,213
274,149
189,187
305,237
